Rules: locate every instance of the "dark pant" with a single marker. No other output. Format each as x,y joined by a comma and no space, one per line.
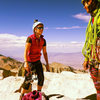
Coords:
94,75
36,67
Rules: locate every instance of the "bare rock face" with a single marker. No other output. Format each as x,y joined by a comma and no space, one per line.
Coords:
6,73
58,68
1,73
8,66
8,63
8,86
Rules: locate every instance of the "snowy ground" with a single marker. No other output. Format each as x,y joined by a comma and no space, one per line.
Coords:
63,86
70,85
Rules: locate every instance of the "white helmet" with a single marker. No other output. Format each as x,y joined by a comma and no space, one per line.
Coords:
36,23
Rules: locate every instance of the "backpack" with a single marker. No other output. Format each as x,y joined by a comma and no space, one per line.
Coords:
34,95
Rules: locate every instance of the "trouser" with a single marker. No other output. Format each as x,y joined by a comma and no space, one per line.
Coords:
35,67
94,75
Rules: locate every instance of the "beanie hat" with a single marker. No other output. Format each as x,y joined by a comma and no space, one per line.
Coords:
36,23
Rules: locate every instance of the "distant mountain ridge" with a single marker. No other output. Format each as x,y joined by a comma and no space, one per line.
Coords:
10,66
74,60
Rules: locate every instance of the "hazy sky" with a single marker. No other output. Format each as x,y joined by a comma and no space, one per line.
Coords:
65,22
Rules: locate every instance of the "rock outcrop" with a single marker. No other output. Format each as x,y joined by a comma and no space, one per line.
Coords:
6,73
58,68
8,66
9,63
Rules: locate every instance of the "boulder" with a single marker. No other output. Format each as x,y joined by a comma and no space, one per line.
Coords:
6,73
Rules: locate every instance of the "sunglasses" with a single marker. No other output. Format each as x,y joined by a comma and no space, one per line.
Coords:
40,28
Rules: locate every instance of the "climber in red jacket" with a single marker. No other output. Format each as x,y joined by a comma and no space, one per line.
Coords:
35,43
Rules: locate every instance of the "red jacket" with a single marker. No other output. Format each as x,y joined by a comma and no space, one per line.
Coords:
34,53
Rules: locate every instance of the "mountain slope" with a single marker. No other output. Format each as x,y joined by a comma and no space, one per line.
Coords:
9,63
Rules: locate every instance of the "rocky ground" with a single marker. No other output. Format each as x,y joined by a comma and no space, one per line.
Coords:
57,86
62,82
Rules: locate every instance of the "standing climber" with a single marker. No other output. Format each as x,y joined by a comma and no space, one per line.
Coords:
91,49
35,43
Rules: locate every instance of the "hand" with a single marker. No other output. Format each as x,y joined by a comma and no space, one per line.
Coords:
26,66
85,65
47,67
